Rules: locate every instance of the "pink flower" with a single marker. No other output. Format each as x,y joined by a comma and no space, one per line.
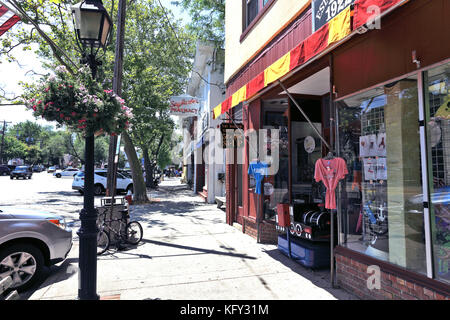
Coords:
73,114
61,115
46,89
34,108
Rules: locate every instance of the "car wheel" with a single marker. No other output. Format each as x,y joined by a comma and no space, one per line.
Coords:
81,192
11,178
98,189
58,175
24,263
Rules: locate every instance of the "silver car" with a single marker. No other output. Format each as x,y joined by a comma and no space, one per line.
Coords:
30,241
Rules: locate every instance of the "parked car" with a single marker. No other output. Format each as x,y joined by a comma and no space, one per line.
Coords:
51,169
38,168
123,183
68,172
4,170
30,241
21,172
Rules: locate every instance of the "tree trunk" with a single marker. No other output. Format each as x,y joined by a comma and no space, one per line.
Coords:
140,191
148,168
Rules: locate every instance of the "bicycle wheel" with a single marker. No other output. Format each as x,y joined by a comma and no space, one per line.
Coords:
102,242
134,232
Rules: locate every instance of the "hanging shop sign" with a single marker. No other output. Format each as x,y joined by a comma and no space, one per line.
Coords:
184,106
236,138
309,144
325,10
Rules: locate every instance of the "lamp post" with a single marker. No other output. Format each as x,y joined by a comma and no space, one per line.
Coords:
92,27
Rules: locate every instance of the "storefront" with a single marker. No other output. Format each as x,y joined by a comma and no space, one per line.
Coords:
393,122
381,102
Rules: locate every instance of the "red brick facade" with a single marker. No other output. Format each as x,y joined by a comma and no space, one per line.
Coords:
268,232
352,276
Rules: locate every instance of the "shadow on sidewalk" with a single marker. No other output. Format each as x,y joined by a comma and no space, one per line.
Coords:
208,251
319,277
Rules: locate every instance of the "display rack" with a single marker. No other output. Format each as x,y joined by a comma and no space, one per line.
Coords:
374,191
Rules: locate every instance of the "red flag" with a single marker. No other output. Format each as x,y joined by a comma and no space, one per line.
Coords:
7,19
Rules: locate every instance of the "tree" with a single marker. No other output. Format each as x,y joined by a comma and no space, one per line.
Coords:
207,19
157,59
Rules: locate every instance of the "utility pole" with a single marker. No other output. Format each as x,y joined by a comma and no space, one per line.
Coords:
117,87
5,123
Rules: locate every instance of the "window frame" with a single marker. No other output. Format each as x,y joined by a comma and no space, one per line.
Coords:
263,7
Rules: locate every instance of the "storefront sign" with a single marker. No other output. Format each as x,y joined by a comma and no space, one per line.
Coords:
309,144
325,10
232,135
184,106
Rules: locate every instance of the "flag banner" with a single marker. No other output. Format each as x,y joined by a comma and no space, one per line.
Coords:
297,56
7,19
363,12
217,111
316,42
277,69
239,96
226,105
336,28
339,27
256,84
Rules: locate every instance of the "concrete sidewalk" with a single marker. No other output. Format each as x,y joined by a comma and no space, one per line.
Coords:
189,252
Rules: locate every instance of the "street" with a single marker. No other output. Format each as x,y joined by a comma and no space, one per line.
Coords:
187,252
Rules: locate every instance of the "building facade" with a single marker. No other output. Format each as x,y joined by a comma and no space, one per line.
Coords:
206,84
368,82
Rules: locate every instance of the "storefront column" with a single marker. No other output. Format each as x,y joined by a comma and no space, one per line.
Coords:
404,181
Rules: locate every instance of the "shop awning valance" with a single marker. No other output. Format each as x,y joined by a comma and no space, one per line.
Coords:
335,30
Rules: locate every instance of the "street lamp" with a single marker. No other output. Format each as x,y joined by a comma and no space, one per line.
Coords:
92,26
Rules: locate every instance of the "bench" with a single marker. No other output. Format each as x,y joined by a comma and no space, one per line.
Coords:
220,201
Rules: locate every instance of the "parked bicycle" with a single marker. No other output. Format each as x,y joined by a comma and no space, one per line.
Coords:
128,232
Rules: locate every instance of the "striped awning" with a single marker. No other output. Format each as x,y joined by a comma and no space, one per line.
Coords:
335,30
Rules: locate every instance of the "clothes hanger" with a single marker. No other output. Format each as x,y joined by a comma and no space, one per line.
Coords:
329,156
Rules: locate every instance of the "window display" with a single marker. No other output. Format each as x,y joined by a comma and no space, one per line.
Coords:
378,136
437,97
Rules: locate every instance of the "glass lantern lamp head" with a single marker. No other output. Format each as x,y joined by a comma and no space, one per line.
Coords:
92,23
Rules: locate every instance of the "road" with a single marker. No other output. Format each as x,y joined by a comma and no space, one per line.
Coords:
188,252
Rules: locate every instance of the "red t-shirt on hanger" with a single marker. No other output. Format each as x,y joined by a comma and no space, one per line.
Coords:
330,171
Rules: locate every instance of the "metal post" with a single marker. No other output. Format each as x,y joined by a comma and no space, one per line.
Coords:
87,281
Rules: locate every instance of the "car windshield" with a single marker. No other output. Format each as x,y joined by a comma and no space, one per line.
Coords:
80,174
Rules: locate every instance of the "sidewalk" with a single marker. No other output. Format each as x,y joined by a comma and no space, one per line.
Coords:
188,252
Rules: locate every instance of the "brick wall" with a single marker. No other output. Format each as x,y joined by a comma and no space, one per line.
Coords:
268,230
352,276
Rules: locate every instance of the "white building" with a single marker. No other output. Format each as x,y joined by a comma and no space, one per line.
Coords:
206,84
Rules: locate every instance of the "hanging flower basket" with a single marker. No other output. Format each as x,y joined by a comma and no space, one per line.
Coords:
80,103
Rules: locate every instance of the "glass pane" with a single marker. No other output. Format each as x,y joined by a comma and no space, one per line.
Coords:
252,10
438,132
275,138
105,31
379,139
90,24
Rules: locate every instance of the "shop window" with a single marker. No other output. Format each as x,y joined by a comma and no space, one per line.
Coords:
378,136
276,186
437,95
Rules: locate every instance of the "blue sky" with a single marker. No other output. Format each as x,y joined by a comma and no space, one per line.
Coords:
11,74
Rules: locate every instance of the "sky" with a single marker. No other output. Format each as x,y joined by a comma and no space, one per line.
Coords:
11,74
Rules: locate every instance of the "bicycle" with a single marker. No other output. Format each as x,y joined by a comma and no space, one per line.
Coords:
132,234
378,222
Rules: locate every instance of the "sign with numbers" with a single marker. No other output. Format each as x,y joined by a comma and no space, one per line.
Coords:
325,10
